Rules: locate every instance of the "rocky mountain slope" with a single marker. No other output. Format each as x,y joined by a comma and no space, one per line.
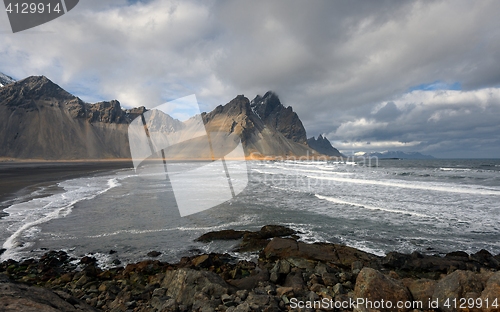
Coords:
5,80
276,116
323,146
40,120
257,136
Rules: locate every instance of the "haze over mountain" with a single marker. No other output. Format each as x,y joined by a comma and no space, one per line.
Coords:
40,120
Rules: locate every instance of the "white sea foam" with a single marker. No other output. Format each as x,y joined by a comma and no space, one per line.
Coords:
26,216
342,202
362,245
323,172
455,169
415,186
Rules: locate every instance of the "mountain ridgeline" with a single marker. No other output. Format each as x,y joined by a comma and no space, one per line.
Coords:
40,120
323,146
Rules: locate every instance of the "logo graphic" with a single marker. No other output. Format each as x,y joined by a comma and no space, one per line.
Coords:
205,169
25,14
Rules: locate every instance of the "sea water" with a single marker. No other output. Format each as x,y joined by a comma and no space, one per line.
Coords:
432,206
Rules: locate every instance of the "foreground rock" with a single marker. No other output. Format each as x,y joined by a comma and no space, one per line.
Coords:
371,285
289,275
23,298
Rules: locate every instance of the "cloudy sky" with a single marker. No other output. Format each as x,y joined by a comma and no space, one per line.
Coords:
371,75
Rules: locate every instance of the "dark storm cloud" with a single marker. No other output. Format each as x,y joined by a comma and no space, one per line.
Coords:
339,64
431,121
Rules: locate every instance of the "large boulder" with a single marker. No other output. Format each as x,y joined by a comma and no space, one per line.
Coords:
184,285
421,290
284,248
491,294
221,235
380,292
252,240
281,248
457,285
23,298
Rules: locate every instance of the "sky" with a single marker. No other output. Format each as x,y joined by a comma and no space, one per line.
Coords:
371,75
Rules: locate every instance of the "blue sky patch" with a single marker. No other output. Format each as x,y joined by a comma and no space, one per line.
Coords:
437,85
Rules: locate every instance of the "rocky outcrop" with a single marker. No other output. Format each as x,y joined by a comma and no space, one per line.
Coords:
432,266
285,248
288,275
276,116
323,146
251,241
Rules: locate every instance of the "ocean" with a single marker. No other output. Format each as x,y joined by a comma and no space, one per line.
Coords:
431,206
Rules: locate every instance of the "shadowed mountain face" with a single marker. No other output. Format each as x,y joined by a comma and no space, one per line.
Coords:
323,146
276,116
257,136
40,120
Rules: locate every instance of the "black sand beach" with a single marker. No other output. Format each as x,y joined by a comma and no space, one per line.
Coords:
17,178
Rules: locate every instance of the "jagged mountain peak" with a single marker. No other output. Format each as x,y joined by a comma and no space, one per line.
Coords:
41,81
240,105
259,136
274,114
267,104
323,145
37,87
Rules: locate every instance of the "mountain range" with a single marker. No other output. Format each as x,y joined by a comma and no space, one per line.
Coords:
40,120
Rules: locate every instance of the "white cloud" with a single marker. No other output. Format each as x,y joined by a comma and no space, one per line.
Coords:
359,128
429,121
334,62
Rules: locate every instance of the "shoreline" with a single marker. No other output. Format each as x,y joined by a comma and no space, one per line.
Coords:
287,272
17,176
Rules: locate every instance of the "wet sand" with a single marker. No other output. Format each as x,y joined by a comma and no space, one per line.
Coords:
19,178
